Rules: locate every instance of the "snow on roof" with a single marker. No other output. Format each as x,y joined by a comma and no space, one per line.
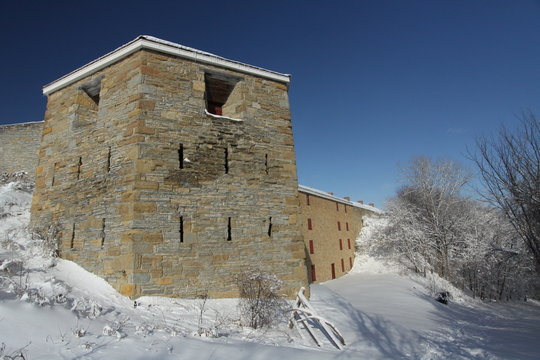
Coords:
22,123
323,194
153,43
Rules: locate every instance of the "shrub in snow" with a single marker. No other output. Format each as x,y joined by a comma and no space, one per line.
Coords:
87,346
11,266
145,329
443,297
23,181
45,243
108,330
201,330
79,332
205,332
260,303
113,330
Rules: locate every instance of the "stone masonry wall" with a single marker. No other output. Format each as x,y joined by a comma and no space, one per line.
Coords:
233,205
86,172
19,144
161,199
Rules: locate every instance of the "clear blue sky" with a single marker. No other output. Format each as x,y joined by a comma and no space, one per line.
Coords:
374,83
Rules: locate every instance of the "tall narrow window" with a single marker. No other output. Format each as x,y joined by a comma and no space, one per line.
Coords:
350,262
181,230
347,226
229,230
227,160
345,208
307,199
309,226
311,247
266,163
79,168
109,160
181,156
342,266
337,206
102,232
333,268
72,242
339,226
313,274
340,244
349,243
270,226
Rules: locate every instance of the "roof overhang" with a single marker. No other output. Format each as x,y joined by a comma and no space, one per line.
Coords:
167,47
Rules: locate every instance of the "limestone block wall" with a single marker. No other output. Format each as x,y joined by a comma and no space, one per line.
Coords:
215,196
161,198
330,227
19,145
85,178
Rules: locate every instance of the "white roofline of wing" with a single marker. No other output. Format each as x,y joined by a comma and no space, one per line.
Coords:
320,193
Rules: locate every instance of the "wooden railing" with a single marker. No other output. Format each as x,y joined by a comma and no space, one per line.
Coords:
305,319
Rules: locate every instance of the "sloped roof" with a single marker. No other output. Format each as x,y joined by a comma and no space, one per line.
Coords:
163,46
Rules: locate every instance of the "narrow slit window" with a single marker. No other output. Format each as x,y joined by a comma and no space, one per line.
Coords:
181,230
340,244
349,243
307,199
266,163
311,247
227,160
313,274
309,225
102,232
347,226
270,226
181,156
55,169
218,89
339,226
79,168
337,206
333,268
229,230
342,266
350,262
109,160
72,242
345,208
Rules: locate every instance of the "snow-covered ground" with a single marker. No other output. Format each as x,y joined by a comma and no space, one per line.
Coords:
62,311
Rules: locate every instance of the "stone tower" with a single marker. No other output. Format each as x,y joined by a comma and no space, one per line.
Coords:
170,170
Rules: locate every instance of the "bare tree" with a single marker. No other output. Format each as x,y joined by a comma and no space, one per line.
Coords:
432,194
431,226
509,166
425,219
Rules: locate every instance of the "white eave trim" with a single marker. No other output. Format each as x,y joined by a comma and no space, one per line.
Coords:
325,195
152,43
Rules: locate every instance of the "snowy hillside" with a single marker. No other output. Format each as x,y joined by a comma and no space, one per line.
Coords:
62,311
